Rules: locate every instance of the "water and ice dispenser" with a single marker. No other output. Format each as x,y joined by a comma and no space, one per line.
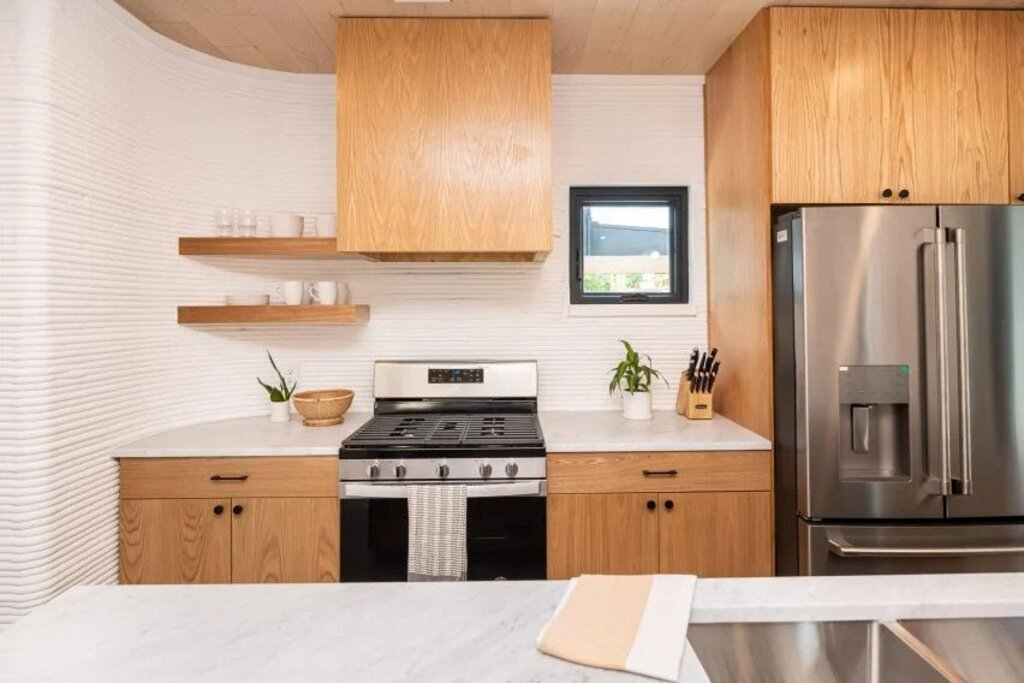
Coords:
874,417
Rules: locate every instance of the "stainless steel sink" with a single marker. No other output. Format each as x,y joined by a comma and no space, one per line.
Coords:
818,652
982,650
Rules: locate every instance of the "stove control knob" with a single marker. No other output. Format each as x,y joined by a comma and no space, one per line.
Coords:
373,471
511,469
442,471
485,470
399,471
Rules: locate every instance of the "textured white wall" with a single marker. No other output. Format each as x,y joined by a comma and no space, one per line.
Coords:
123,141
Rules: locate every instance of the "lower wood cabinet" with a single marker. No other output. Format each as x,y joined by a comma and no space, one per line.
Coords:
687,527
175,541
602,533
715,534
175,529
284,540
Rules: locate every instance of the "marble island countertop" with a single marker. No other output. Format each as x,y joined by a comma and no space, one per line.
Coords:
564,432
413,632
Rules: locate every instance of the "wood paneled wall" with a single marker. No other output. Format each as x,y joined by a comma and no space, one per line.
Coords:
738,146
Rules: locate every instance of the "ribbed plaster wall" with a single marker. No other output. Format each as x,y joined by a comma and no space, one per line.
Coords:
114,141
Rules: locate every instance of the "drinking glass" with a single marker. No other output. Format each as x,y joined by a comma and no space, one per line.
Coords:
247,224
225,223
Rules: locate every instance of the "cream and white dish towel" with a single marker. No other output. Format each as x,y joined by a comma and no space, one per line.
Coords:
437,533
626,623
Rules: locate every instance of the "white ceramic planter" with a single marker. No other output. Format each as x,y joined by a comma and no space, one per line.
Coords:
636,406
280,411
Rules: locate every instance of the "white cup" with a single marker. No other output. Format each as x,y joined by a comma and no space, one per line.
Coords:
309,224
289,226
327,225
290,292
324,292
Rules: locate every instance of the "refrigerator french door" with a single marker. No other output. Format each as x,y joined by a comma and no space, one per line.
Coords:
899,394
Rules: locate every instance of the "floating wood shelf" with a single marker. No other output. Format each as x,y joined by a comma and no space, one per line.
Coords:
264,247
272,315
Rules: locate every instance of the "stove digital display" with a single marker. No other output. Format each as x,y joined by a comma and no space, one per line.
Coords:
455,376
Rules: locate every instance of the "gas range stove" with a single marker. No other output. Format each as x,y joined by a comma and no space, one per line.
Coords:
470,422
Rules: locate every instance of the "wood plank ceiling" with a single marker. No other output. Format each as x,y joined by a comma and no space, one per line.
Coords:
590,36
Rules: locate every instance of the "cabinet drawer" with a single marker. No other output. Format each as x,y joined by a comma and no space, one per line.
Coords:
225,477
659,472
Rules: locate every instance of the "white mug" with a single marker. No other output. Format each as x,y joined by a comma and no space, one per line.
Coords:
288,226
290,292
327,225
324,292
309,224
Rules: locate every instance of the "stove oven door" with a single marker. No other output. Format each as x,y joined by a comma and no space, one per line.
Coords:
505,531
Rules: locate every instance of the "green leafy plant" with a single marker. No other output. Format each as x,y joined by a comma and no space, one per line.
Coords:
281,393
631,374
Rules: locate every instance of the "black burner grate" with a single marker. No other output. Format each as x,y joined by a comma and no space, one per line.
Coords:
448,430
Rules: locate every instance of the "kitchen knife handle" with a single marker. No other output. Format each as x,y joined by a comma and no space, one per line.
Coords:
966,485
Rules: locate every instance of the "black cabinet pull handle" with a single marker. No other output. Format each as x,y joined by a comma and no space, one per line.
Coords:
904,193
218,509
651,505
229,477
887,192
669,505
237,509
1020,197
660,473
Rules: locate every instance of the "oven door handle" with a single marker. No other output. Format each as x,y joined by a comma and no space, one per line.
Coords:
510,490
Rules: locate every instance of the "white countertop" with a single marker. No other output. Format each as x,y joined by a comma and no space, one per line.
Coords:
420,631
564,432
604,431
244,436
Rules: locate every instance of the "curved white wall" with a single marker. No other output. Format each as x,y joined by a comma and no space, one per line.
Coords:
123,141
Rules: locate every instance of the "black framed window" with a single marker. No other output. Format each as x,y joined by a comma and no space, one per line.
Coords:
628,245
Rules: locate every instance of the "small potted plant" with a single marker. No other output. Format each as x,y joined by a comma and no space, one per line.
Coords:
280,409
633,379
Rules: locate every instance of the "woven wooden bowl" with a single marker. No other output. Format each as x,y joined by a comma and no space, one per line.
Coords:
324,407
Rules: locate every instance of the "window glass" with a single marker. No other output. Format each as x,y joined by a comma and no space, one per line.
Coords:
628,245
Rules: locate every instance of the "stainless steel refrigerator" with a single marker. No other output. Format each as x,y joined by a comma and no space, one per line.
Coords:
899,389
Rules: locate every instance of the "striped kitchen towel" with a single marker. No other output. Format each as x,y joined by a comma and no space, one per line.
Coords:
627,623
437,533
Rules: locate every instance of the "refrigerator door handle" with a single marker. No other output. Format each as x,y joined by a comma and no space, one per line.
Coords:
937,284
964,485
842,549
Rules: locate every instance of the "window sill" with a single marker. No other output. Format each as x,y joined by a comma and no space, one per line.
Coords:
632,310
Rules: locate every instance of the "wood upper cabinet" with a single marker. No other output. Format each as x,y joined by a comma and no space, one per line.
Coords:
284,540
175,541
866,101
954,142
1016,58
444,138
606,533
223,520
833,73
715,534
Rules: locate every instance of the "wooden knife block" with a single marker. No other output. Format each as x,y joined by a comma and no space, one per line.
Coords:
695,405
